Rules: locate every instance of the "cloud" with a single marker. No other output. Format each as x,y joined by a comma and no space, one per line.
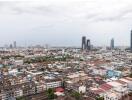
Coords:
62,17
23,8
92,10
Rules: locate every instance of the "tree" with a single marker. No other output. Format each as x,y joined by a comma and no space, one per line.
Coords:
130,75
104,77
50,94
76,95
42,69
100,98
63,84
20,98
130,94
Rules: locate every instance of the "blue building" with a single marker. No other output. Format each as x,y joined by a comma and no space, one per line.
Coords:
113,73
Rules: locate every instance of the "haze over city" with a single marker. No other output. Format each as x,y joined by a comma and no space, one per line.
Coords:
65,49
64,22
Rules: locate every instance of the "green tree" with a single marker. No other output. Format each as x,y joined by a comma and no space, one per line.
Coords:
20,98
100,98
76,95
63,84
130,75
50,94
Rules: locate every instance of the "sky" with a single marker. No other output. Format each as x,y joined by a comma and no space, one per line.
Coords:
64,22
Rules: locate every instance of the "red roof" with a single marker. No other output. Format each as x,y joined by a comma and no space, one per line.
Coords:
98,91
59,90
106,87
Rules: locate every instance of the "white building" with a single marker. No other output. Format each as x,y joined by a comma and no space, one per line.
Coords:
54,83
82,89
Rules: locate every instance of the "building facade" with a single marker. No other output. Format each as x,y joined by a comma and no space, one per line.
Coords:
84,45
112,44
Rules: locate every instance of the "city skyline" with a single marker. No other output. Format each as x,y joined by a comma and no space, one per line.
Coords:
63,23
65,49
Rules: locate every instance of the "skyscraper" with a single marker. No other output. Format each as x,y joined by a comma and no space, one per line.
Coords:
112,44
14,44
88,44
11,46
131,42
84,43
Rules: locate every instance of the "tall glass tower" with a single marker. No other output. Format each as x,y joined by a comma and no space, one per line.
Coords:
88,45
112,46
84,44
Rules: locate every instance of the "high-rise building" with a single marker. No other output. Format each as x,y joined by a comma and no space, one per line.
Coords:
84,43
88,45
112,44
11,46
131,42
14,44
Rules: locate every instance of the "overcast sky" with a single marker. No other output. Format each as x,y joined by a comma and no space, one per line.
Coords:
64,22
